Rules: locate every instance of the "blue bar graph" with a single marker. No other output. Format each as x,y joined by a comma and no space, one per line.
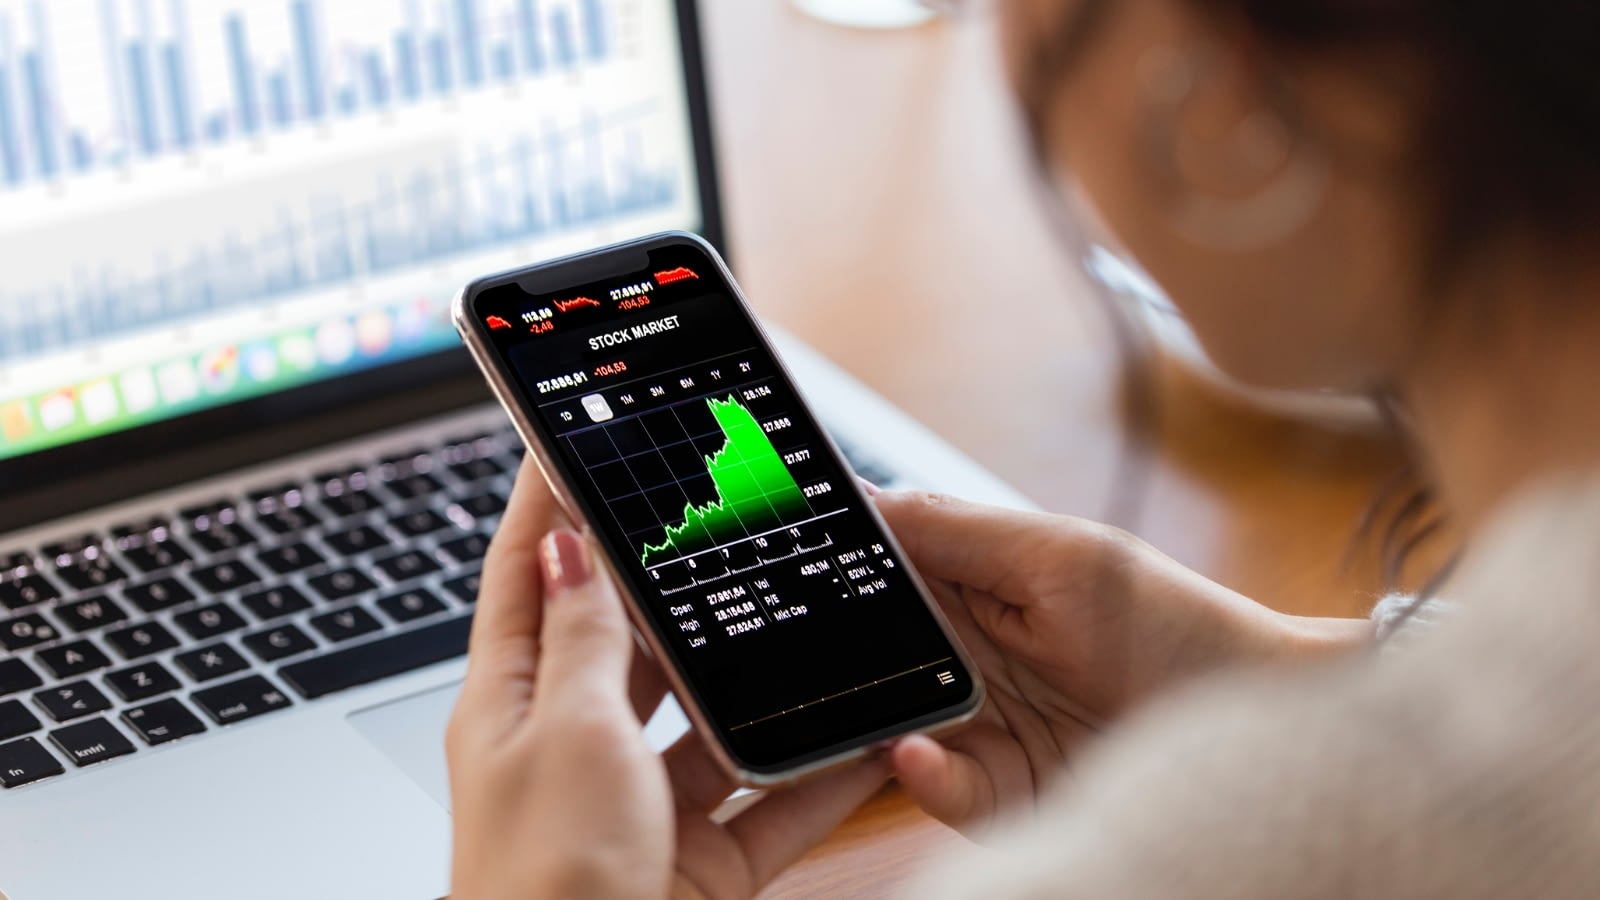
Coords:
161,99
44,141
144,107
177,96
528,29
405,62
494,198
566,50
470,43
278,99
308,53
439,63
594,28
79,153
505,63
244,78
10,152
377,81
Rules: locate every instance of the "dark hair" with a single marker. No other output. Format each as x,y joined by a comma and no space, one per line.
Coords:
1506,144
1508,124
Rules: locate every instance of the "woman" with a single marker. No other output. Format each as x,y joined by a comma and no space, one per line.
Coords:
1397,198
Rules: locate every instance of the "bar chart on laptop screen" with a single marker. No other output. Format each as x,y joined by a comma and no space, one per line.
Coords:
204,200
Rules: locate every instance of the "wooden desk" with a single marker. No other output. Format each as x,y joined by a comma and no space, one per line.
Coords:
879,209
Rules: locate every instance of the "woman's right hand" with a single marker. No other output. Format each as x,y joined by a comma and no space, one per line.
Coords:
1072,624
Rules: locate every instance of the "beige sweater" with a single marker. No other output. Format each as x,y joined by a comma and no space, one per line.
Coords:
1462,763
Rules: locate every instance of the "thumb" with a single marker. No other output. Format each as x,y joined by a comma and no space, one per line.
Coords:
946,784
968,543
586,645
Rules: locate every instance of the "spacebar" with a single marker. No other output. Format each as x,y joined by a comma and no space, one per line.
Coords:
379,659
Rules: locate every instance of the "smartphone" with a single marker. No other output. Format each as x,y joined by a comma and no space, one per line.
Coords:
758,574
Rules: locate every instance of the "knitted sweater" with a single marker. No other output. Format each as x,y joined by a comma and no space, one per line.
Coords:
1462,763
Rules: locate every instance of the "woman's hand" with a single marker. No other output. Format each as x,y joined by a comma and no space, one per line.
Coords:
555,791
1071,623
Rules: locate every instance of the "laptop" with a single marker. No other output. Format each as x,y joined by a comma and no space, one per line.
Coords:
247,475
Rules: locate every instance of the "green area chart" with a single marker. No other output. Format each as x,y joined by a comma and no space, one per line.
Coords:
755,491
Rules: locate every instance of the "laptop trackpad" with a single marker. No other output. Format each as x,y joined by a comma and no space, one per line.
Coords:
410,732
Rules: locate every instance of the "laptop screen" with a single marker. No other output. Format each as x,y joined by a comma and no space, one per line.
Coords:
208,204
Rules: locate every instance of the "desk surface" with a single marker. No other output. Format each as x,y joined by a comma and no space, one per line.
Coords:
880,210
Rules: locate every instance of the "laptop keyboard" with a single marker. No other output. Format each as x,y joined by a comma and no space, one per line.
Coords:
171,627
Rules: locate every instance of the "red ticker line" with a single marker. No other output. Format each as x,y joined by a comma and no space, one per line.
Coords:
673,276
575,303
496,323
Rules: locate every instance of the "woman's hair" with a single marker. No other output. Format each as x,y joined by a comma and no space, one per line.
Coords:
1507,138
1506,143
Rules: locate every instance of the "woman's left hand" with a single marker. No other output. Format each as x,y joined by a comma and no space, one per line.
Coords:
555,791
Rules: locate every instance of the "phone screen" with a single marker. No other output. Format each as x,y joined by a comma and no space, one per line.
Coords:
787,609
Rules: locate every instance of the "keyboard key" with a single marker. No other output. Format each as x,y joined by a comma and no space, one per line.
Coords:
142,682
278,643
220,537
15,561
346,624
350,503
240,700
22,632
141,640
207,622
26,761
483,506
410,487
410,605
411,462
87,573
475,469
155,596
87,615
66,702
74,659
408,565
420,522
15,675
356,541
275,603
464,588
16,720
288,520
383,658
16,593
142,532
63,552
340,584
467,548
207,515
290,558
283,496
226,576
87,743
162,721
154,556
210,662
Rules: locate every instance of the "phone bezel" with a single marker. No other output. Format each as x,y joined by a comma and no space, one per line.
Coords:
502,382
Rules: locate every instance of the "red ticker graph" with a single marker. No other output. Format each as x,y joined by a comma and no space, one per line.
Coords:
673,276
575,303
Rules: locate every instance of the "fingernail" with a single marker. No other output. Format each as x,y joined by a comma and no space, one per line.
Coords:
566,559
871,489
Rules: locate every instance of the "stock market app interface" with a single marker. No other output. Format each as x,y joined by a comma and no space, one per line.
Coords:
794,622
